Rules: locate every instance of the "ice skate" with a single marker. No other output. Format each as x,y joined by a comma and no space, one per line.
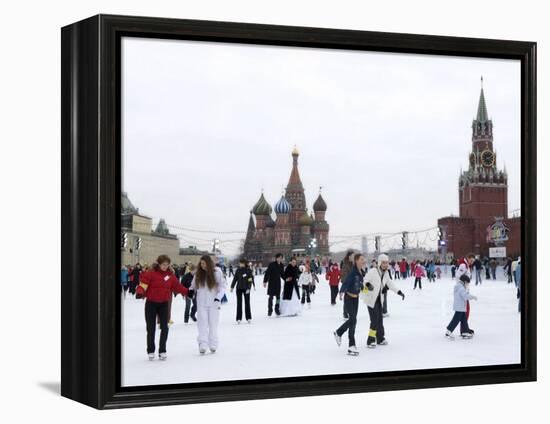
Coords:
239,322
449,335
151,356
371,342
337,338
212,350
170,323
466,335
202,350
249,321
163,356
352,351
383,342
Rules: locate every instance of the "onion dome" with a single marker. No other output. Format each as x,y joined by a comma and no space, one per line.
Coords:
305,219
282,206
261,207
320,205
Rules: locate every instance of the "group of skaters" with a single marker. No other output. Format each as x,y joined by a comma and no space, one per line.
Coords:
289,288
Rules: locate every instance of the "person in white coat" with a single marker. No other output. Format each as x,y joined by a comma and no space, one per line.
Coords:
306,281
377,282
209,285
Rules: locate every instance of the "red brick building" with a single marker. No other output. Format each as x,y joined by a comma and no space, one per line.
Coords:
483,200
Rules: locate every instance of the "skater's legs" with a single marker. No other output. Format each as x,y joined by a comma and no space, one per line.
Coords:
213,320
385,304
240,294
247,311
333,294
376,330
164,316
150,318
457,318
187,309
278,304
464,327
269,305
194,309
352,307
202,326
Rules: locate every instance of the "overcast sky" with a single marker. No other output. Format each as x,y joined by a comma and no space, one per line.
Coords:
207,126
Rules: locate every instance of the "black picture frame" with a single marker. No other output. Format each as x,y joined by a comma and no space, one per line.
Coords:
90,176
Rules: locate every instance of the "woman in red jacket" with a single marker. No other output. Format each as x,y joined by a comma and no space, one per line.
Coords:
333,277
157,286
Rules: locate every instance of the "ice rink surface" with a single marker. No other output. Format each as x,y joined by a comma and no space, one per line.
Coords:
304,345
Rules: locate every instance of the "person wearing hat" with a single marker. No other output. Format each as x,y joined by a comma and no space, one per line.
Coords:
378,281
460,298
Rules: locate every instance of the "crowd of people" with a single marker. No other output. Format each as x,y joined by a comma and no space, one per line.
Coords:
290,287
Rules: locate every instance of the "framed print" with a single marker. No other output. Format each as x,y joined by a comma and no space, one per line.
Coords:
256,211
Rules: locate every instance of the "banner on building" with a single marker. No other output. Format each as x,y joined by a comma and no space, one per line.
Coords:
497,252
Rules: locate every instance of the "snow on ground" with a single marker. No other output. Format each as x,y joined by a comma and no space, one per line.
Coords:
273,347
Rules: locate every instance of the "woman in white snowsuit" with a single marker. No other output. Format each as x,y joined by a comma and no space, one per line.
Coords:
378,281
209,285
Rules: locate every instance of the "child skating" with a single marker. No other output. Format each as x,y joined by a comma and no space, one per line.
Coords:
418,274
306,281
460,299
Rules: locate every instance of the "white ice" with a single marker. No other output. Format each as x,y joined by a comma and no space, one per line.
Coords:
303,346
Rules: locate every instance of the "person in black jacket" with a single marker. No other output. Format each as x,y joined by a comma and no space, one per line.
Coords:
136,272
291,276
190,304
244,280
272,280
352,286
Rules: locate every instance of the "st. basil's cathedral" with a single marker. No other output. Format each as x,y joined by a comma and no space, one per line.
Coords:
294,231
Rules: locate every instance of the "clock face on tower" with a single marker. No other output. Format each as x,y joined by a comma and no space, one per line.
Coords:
487,158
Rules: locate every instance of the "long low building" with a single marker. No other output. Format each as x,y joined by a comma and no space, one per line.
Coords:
144,245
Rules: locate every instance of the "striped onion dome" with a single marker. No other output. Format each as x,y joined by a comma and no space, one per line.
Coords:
282,206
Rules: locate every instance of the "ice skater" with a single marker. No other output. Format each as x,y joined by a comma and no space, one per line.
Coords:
272,280
460,300
418,274
345,268
124,280
306,282
209,287
465,267
376,281
349,292
290,305
244,280
333,277
190,302
157,286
